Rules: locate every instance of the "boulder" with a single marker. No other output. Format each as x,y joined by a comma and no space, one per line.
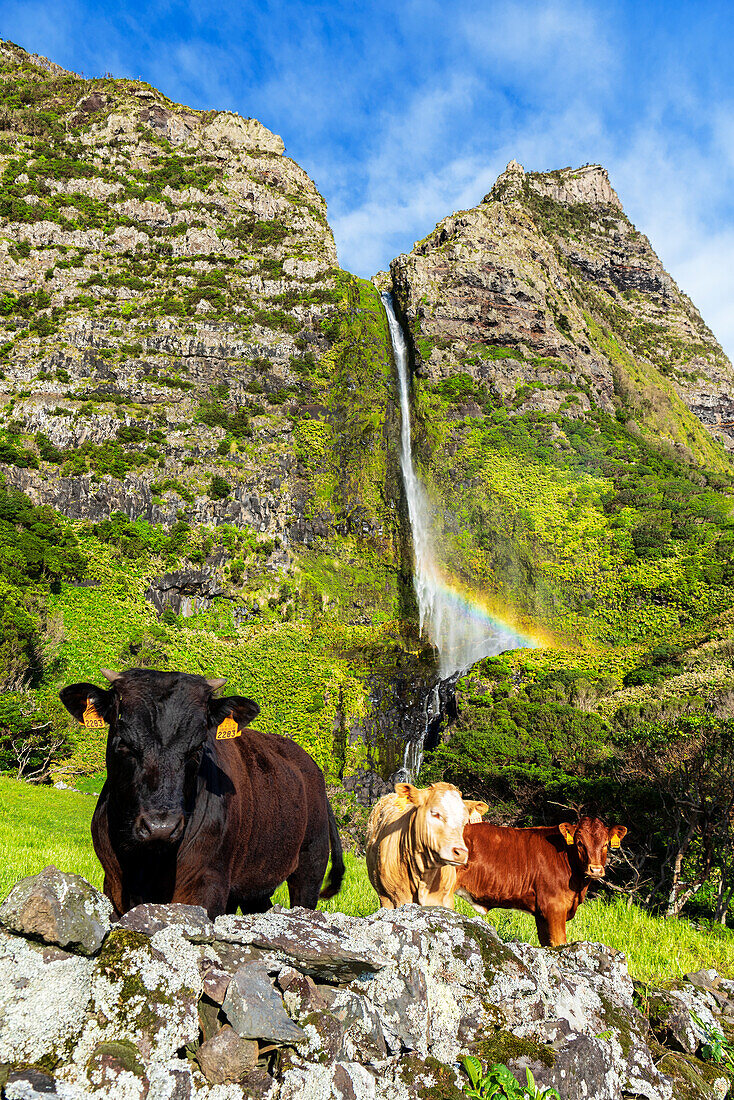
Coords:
215,980
671,1021
30,1084
58,908
116,1066
144,993
44,994
340,1081
321,945
704,979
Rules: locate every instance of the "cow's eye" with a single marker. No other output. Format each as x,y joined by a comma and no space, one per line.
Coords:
435,813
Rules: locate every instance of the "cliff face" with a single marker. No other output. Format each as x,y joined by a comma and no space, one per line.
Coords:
170,284
547,285
565,393
178,346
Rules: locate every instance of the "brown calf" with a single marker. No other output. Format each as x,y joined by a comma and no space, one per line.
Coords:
545,871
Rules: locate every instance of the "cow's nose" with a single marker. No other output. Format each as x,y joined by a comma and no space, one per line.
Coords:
460,853
159,827
595,872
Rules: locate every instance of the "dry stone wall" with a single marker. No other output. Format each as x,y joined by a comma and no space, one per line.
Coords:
295,1004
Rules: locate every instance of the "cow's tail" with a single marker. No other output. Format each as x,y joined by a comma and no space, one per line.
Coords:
334,882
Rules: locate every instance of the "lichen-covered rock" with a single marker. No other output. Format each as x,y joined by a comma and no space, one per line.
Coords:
151,918
33,1084
693,1079
44,993
214,980
454,961
144,993
255,1010
587,987
340,1081
669,1012
58,908
115,1068
303,935
158,1017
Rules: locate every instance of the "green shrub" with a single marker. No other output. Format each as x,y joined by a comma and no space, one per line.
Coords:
48,451
219,488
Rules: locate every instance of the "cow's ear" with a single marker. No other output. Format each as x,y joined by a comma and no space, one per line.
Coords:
478,808
566,832
410,793
233,706
88,703
617,833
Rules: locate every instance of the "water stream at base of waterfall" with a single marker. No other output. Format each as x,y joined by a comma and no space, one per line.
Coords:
460,629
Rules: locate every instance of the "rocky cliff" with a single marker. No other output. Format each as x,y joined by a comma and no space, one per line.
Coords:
171,307
179,349
549,270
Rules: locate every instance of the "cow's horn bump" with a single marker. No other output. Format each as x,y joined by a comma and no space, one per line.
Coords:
110,675
217,682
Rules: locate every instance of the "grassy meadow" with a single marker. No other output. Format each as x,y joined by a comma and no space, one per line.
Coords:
41,825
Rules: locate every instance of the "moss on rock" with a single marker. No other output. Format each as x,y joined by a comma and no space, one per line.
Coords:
506,1048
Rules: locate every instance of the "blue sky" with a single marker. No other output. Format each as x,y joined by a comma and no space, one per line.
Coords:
403,112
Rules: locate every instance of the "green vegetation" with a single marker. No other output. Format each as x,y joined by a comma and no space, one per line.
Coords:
38,550
38,826
499,1083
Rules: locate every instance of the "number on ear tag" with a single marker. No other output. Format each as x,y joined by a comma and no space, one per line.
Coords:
615,842
569,838
228,729
91,719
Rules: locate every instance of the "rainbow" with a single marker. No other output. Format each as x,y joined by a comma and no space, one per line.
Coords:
466,627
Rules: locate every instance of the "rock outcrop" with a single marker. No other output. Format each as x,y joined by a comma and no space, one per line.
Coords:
297,1004
547,287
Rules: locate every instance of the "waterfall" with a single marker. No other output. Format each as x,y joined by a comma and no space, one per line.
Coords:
462,631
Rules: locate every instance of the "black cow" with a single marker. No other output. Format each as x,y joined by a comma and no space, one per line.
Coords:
197,808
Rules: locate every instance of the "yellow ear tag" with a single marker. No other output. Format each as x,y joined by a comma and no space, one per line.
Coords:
228,729
91,718
615,842
569,838
402,802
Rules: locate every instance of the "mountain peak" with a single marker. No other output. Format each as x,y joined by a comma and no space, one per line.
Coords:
588,184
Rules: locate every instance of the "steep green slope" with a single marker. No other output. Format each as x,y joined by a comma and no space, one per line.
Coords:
556,422
189,377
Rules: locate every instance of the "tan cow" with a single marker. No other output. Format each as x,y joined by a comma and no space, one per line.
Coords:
415,843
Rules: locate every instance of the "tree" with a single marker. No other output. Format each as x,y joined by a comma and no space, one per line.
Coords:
684,774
